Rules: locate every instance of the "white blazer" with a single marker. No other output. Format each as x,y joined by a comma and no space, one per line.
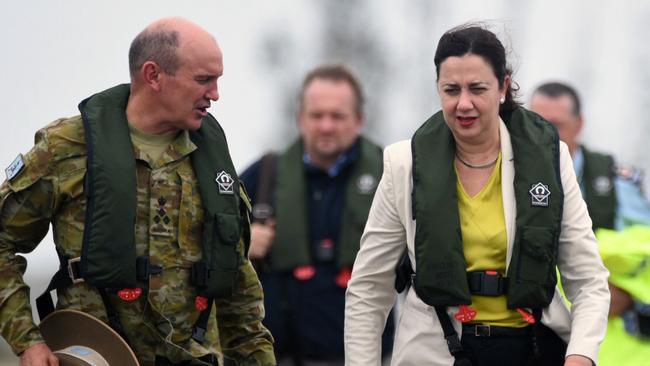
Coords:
390,230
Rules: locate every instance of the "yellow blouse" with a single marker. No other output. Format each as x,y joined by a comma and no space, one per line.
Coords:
483,231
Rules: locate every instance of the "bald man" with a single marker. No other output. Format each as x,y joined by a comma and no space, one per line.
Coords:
150,221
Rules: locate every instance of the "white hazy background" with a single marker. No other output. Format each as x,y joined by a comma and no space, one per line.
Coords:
56,53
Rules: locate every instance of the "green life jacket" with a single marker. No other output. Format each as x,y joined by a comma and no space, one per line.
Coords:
598,182
291,247
441,268
108,258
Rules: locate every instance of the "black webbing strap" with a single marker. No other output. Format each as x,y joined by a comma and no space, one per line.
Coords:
548,348
262,211
111,313
144,269
263,200
210,359
67,274
199,274
202,323
294,347
453,342
404,273
488,283
263,208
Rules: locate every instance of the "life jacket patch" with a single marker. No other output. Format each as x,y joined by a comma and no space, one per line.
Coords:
366,184
15,167
539,194
225,183
602,185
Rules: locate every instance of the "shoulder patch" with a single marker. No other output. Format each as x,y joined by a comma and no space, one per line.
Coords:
15,167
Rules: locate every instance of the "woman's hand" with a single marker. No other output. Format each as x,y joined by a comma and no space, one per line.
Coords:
577,360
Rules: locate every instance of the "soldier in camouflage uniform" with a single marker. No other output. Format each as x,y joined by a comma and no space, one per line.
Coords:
174,70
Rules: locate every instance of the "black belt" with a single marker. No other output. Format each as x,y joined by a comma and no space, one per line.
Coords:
486,330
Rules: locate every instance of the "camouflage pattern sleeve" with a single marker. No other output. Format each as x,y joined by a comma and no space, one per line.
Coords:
239,318
26,205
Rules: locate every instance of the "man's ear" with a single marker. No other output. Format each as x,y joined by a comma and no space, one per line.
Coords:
360,122
580,123
300,118
151,74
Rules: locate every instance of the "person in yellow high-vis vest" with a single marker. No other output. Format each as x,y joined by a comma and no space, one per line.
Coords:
626,254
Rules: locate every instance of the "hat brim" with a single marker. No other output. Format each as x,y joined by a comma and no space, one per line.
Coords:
65,328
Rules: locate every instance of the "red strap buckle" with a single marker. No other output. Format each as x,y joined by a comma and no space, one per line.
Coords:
200,303
304,273
129,294
343,277
327,243
465,314
528,317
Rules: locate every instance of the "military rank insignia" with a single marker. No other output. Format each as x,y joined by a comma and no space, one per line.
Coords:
15,167
225,183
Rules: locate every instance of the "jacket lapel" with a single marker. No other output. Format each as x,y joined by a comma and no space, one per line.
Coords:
507,188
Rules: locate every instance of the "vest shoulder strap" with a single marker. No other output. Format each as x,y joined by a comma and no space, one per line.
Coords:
291,245
220,193
440,279
539,200
359,193
110,179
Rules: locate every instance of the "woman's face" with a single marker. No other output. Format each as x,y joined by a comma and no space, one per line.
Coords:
470,97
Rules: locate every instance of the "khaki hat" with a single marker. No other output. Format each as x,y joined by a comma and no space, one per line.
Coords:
79,339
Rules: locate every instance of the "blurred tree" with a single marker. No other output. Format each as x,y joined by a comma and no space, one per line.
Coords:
350,36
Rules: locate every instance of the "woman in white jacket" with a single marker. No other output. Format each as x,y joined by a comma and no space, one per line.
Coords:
484,201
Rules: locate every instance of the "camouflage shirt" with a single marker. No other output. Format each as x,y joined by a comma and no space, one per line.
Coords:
50,189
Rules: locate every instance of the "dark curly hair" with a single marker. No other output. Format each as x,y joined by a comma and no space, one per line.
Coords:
477,40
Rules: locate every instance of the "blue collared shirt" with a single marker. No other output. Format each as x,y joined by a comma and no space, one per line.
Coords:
341,162
326,195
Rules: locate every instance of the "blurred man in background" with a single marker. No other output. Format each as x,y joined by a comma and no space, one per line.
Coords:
614,200
310,204
613,192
